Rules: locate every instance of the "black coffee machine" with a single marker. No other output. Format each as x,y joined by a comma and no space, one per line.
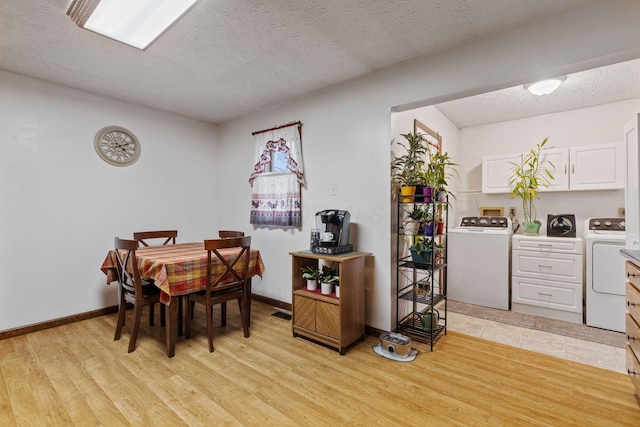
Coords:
333,225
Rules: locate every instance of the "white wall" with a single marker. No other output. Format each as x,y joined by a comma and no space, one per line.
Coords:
57,193
587,126
348,127
61,205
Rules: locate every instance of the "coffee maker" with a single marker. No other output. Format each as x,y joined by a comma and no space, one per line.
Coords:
333,225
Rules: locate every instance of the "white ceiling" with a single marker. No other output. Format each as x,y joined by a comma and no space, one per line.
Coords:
228,58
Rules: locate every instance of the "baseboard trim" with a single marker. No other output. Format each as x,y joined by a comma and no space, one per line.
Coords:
270,301
23,330
10,333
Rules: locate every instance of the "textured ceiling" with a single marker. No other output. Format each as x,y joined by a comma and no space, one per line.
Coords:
603,85
228,58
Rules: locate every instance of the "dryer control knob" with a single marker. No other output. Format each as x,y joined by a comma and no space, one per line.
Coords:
607,223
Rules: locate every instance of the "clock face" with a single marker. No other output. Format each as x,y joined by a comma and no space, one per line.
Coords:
117,146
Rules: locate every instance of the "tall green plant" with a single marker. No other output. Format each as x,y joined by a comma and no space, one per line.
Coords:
528,178
407,168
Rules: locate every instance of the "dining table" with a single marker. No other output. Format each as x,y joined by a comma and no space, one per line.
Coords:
179,270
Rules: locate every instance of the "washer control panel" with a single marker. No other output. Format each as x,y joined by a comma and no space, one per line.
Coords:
484,221
607,224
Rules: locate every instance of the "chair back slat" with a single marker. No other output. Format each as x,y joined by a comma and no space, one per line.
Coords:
225,234
169,237
235,271
127,266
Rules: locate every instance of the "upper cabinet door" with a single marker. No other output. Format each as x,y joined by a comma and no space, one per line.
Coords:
556,160
597,167
497,171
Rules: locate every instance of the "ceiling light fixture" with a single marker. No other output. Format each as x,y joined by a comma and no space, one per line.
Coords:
134,22
545,87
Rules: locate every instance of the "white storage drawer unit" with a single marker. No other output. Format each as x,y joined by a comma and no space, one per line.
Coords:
547,277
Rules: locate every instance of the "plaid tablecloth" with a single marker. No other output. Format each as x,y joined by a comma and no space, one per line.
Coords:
178,269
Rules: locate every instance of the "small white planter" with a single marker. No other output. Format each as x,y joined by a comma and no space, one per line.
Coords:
312,285
411,228
326,288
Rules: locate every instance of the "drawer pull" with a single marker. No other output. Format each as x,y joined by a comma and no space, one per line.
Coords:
629,303
545,266
631,274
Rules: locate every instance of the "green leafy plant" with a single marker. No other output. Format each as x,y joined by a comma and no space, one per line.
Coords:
425,244
310,272
407,168
528,178
440,168
329,275
417,214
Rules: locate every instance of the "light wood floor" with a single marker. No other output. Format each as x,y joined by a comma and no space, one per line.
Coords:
77,375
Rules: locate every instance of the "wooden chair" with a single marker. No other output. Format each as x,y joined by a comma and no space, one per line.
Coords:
131,289
226,234
169,237
231,284
166,237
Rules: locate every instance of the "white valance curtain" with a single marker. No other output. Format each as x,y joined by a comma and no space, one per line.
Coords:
277,177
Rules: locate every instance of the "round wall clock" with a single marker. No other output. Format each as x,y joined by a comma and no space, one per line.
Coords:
117,146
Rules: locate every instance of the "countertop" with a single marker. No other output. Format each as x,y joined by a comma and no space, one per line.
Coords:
631,254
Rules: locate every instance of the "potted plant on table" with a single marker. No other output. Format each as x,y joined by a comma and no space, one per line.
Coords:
312,274
406,168
328,278
527,179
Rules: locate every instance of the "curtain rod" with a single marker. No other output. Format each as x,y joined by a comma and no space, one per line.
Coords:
277,127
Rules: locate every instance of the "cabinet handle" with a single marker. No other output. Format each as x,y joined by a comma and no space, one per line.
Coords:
545,266
543,294
573,170
631,274
565,169
629,304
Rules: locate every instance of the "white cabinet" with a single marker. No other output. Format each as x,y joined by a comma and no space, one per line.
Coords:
591,167
496,172
547,277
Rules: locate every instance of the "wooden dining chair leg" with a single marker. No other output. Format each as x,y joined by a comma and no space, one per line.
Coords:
163,312
122,308
210,325
180,315
244,314
223,314
136,327
187,319
152,314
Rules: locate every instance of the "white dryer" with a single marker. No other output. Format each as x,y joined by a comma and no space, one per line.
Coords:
604,278
479,262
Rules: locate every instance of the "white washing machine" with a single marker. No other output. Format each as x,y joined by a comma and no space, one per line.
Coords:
604,278
479,262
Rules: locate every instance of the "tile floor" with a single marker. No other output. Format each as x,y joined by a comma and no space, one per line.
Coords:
591,353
